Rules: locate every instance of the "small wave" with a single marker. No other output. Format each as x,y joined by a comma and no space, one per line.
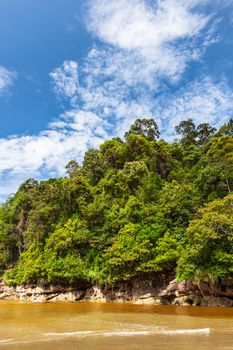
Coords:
128,333
5,341
132,333
135,326
18,342
186,331
159,329
69,333
101,334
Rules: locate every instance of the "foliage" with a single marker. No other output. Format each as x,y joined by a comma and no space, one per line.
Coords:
209,252
135,206
144,127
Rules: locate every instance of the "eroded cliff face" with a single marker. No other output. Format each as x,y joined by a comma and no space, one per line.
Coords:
155,290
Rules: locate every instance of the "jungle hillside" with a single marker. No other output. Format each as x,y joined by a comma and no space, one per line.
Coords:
134,206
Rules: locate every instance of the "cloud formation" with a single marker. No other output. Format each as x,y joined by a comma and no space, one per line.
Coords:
135,69
202,100
137,24
47,154
7,78
65,80
159,37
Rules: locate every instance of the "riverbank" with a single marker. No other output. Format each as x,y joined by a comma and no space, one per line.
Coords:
156,290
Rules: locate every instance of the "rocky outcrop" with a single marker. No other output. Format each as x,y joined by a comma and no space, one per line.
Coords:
42,293
203,294
155,289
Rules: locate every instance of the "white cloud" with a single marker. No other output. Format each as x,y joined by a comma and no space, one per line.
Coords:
136,24
204,101
145,45
148,44
47,153
65,80
6,79
75,131
150,40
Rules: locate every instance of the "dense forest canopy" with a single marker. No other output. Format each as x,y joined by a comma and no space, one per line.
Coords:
134,206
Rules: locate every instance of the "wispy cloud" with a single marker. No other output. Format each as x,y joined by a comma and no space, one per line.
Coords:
7,78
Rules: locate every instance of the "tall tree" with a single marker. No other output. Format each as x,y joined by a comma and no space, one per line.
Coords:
226,129
220,155
188,131
204,132
94,165
72,168
144,127
209,253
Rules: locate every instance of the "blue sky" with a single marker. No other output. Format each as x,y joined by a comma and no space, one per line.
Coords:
74,73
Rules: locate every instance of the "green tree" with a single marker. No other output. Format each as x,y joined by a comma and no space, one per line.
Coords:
209,253
220,156
187,130
94,166
226,129
73,168
147,128
132,208
204,132
114,152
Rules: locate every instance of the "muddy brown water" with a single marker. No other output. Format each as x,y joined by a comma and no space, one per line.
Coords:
87,326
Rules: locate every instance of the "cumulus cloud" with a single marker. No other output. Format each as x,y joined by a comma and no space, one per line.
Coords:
158,38
67,138
47,153
137,24
65,80
203,100
147,44
7,78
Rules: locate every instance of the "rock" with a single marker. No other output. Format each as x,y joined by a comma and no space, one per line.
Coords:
151,289
95,293
219,301
147,301
184,301
146,296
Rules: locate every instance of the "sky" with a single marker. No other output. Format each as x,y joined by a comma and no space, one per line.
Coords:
74,73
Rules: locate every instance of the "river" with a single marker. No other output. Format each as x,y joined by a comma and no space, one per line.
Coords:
96,326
